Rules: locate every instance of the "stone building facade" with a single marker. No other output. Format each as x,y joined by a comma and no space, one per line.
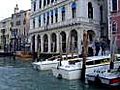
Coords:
58,25
5,33
20,24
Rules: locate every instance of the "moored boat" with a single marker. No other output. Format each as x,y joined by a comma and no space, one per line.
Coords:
104,76
72,70
24,55
49,63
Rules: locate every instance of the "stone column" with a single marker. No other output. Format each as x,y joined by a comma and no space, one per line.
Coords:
80,36
67,41
36,49
42,43
58,49
49,43
49,17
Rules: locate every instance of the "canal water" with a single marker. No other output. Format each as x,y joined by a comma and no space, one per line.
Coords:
19,75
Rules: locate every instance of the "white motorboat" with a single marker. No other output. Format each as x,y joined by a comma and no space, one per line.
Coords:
102,75
50,62
72,70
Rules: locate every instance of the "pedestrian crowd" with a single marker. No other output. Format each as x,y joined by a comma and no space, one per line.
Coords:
99,47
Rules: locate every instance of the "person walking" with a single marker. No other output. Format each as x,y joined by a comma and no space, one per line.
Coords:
97,47
90,50
103,46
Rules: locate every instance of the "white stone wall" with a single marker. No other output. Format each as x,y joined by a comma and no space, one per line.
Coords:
82,16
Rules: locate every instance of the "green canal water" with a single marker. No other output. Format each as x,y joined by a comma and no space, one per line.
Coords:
19,75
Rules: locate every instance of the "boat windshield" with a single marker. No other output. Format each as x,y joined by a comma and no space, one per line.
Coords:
97,61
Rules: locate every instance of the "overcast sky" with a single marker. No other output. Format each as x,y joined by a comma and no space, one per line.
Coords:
7,7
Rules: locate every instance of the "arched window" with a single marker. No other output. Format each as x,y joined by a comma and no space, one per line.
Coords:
63,13
114,27
63,41
73,10
45,43
90,10
73,41
51,16
101,13
38,43
53,42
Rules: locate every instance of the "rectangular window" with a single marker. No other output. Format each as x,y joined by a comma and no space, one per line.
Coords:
40,2
24,22
47,18
114,5
52,1
51,16
52,19
48,2
34,7
34,23
17,23
44,19
101,14
63,13
56,15
44,3
63,16
39,21
73,13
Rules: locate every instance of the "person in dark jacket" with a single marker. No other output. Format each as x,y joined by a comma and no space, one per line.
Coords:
90,51
97,47
103,46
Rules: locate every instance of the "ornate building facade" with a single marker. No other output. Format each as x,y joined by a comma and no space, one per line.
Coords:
58,25
114,20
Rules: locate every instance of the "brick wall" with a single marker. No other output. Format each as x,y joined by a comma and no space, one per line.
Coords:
116,18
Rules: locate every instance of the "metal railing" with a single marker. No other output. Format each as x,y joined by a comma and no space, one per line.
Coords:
69,22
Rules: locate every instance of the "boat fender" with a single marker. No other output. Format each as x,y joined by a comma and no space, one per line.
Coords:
37,69
59,76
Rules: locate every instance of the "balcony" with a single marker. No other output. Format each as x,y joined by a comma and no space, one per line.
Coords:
66,23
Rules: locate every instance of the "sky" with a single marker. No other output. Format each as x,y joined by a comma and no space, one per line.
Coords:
7,7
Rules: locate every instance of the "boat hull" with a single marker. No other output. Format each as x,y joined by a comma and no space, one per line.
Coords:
67,74
74,73
103,81
45,66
